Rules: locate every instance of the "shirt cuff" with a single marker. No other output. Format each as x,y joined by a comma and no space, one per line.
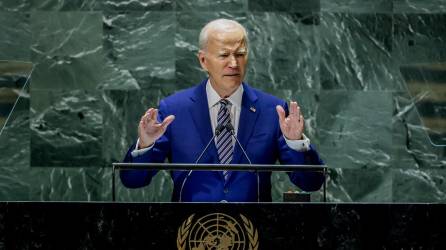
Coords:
137,152
299,145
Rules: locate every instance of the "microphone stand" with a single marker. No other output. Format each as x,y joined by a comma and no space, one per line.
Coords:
218,130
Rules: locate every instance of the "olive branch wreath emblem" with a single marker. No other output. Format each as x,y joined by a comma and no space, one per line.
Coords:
183,232
184,229
253,236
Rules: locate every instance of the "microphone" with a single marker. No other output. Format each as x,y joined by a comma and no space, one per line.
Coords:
218,130
231,129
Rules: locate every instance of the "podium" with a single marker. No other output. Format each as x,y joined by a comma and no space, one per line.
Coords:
116,225
218,167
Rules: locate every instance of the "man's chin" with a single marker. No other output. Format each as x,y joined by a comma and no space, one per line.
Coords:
234,81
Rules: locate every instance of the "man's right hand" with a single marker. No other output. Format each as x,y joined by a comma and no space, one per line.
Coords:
149,130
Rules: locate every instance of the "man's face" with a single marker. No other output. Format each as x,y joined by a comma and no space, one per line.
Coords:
225,59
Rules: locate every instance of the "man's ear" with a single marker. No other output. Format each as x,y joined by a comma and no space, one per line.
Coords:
202,59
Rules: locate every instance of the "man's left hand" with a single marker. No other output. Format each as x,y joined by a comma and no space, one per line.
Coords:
292,126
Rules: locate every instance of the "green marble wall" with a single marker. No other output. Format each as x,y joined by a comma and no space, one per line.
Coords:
357,67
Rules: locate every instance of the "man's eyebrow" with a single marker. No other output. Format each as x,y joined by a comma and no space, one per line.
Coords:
239,50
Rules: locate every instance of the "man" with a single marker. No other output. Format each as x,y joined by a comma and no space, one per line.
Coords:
186,121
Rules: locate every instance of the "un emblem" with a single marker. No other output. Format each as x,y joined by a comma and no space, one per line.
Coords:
217,231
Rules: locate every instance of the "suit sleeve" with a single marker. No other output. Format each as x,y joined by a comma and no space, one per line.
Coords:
158,154
305,180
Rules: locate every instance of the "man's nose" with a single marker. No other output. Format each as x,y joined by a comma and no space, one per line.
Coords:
233,61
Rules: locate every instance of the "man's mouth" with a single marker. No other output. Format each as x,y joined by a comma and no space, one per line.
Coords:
232,74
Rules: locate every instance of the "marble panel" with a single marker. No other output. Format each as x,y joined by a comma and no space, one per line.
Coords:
86,5
418,50
284,53
359,185
419,38
139,46
53,184
70,184
15,154
356,52
412,147
116,78
65,5
15,38
67,72
15,5
205,5
19,182
355,128
419,6
159,190
67,50
285,5
122,113
419,185
357,6
138,5
16,131
66,128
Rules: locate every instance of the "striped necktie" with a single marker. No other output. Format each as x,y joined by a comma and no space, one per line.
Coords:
225,146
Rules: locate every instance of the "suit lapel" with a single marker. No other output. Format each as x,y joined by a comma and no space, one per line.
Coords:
200,115
248,118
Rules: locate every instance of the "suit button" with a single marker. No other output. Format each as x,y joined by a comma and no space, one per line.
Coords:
226,190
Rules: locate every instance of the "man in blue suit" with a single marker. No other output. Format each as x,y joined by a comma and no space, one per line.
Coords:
223,104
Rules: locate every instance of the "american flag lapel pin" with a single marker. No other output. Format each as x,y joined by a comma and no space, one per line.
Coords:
252,109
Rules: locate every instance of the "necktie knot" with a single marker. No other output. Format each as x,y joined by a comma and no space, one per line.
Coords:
224,102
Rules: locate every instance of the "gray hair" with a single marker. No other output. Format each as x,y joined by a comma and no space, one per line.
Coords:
218,24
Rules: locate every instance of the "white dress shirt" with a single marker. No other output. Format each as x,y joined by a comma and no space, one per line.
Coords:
236,105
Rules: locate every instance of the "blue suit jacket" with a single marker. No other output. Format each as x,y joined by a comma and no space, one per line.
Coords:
187,135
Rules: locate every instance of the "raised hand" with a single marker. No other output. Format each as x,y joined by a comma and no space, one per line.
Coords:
292,126
149,129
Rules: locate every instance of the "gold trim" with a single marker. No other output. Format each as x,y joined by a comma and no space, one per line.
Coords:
252,233
183,232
